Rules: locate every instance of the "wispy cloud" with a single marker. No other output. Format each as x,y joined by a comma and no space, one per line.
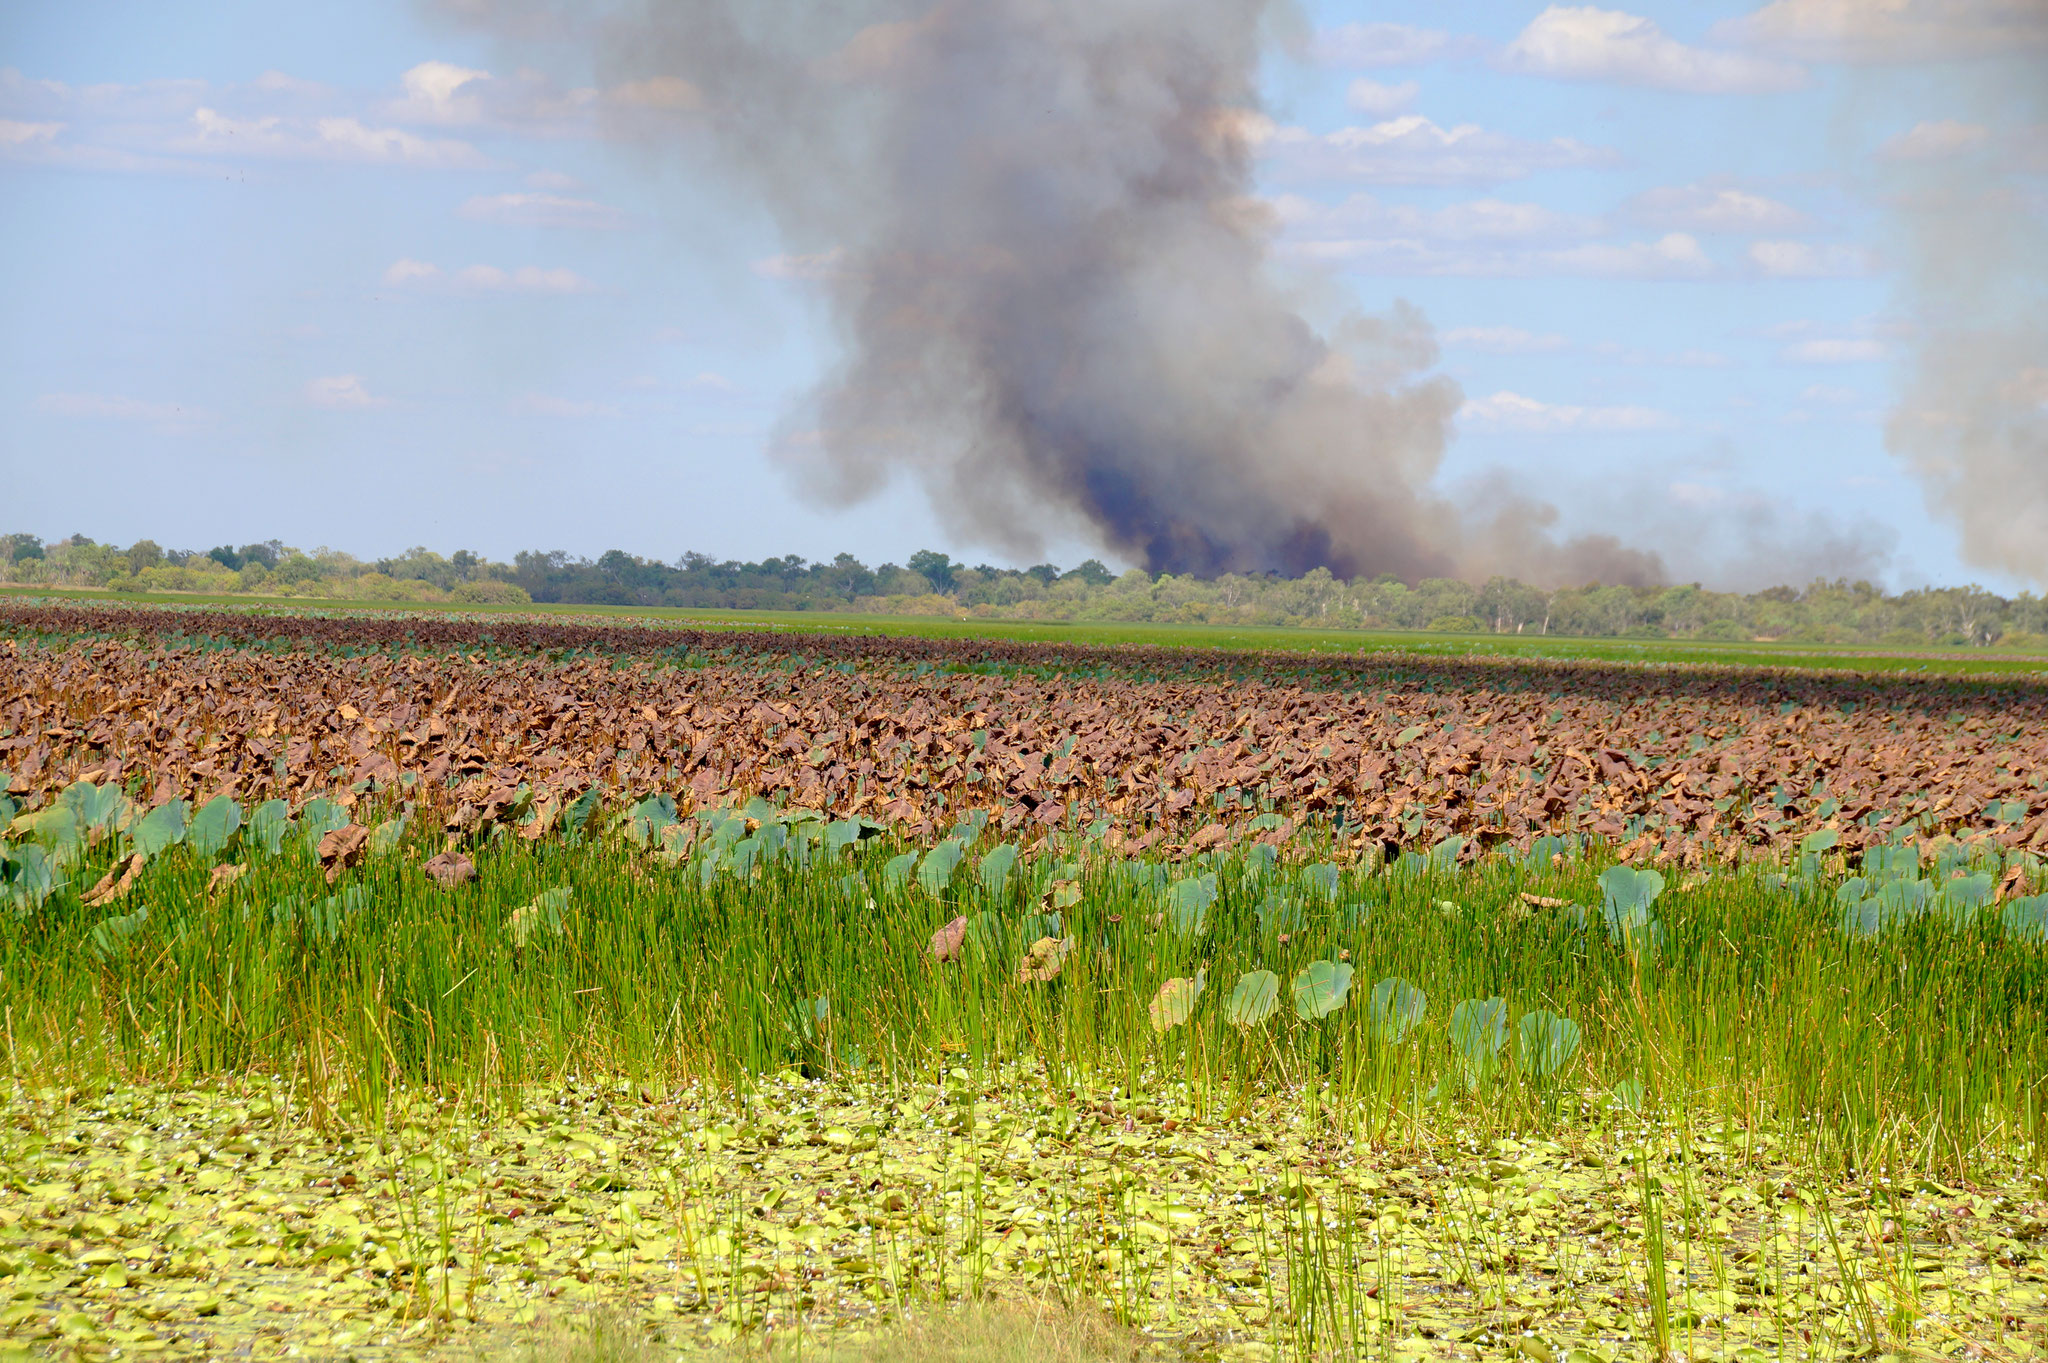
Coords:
1369,96
1368,45
341,393
1504,340
541,210
15,133
534,279
212,133
1691,358
1836,350
1938,138
1713,208
1413,150
116,407
1881,31
1810,260
1511,412
542,404
1485,238
1583,42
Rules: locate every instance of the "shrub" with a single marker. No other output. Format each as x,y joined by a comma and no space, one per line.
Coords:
490,594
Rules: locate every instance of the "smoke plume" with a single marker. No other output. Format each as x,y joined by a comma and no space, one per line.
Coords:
1035,223
1972,419
1970,216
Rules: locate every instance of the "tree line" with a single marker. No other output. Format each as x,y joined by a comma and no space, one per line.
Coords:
931,583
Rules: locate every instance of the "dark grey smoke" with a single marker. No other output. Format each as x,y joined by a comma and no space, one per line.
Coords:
1035,222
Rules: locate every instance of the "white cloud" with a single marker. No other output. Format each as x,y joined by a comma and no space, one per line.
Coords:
1412,150
350,139
280,83
1485,237
1808,260
341,393
1682,359
1890,30
1505,340
541,404
1672,256
1386,45
1708,208
1831,394
1583,42
541,210
1944,137
434,94
525,101
1370,97
114,407
552,179
14,133
487,278
403,272
1506,411
710,382
1836,350
525,279
327,139
1361,215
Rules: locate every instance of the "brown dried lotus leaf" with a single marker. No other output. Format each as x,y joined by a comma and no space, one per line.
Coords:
343,848
117,882
948,941
1504,749
449,869
1043,962
1543,901
224,876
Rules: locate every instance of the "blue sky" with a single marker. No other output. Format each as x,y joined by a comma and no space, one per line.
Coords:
346,275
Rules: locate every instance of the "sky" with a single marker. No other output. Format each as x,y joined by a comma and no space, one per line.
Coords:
360,276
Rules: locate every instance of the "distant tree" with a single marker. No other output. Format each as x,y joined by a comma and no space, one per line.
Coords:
1048,573
226,557
297,569
935,568
269,553
143,555
1093,573
1505,606
18,547
848,578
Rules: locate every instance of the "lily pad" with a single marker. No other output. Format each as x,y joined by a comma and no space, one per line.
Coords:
1320,989
1255,998
1175,1001
213,827
1545,1043
1395,1007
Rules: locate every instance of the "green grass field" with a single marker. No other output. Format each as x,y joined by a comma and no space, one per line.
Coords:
774,1080
1932,660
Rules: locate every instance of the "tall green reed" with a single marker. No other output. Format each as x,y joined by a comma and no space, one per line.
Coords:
1917,1047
